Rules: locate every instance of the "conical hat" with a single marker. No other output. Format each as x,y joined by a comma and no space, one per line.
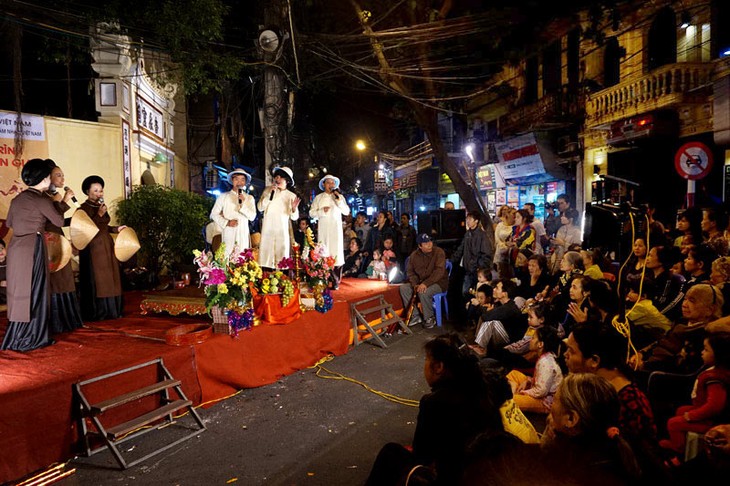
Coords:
82,229
126,244
59,251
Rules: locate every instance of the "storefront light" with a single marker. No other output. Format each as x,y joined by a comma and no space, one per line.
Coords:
469,149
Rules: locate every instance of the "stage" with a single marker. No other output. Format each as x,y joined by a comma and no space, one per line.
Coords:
37,426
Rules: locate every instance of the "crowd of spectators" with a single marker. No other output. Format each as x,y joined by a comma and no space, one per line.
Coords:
628,360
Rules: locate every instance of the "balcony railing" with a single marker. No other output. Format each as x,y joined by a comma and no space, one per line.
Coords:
662,88
553,108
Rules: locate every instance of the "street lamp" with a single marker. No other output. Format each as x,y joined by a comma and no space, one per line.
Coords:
360,145
469,149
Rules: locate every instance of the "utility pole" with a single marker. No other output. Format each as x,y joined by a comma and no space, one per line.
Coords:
273,113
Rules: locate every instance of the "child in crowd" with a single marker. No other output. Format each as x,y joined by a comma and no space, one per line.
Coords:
535,394
3,276
377,267
389,257
480,303
709,397
520,353
484,276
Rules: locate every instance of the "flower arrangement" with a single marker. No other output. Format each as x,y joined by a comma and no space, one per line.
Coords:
276,282
317,263
227,283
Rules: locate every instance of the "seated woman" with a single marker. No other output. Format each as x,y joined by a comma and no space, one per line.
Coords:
459,407
600,349
635,264
539,279
648,324
591,263
558,296
679,351
579,304
353,259
720,278
582,436
697,266
668,294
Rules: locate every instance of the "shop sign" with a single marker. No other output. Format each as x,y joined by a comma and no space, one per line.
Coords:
380,183
405,182
519,157
485,176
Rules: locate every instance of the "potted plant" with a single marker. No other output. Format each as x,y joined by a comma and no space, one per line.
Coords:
169,224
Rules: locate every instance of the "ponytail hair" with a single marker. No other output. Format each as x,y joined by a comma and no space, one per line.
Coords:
596,403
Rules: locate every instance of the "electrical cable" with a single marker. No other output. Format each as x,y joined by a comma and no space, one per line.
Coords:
333,375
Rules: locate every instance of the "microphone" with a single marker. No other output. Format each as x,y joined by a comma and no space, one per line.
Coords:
73,198
240,195
336,193
271,197
101,200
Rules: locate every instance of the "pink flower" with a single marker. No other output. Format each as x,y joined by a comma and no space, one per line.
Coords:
216,276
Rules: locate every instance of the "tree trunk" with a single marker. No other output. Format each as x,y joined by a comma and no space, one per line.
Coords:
427,118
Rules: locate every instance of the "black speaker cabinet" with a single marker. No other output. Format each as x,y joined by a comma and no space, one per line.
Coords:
442,224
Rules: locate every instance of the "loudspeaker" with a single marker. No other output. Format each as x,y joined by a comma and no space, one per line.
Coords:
442,224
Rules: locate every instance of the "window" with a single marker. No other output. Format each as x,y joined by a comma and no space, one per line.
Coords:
612,62
663,39
551,67
574,58
531,73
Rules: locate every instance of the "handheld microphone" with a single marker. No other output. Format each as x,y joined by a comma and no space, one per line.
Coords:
271,197
336,193
101,200
73,198
240,194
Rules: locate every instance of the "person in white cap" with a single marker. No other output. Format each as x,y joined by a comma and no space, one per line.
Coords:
232,212
328,207
280,206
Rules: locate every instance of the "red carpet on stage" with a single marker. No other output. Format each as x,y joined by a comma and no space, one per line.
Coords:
36,412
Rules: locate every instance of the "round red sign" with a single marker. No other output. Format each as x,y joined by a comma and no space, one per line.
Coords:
693,160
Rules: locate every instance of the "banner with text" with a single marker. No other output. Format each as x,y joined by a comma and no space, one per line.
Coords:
35,145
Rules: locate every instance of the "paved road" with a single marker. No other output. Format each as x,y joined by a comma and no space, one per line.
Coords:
302,430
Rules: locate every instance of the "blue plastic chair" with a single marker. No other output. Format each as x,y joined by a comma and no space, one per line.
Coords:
440,300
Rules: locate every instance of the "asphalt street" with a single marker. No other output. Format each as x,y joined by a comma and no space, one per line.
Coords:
301,430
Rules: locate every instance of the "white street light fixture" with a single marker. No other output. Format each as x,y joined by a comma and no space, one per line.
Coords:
469,149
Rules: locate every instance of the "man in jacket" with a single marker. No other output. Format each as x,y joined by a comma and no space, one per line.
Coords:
474,252
427,276
406,238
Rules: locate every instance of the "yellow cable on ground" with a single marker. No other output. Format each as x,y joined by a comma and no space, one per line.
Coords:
333,375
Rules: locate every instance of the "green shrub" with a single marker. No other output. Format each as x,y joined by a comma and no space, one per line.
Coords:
168,223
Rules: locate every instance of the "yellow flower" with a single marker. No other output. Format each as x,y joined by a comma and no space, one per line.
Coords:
222,288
